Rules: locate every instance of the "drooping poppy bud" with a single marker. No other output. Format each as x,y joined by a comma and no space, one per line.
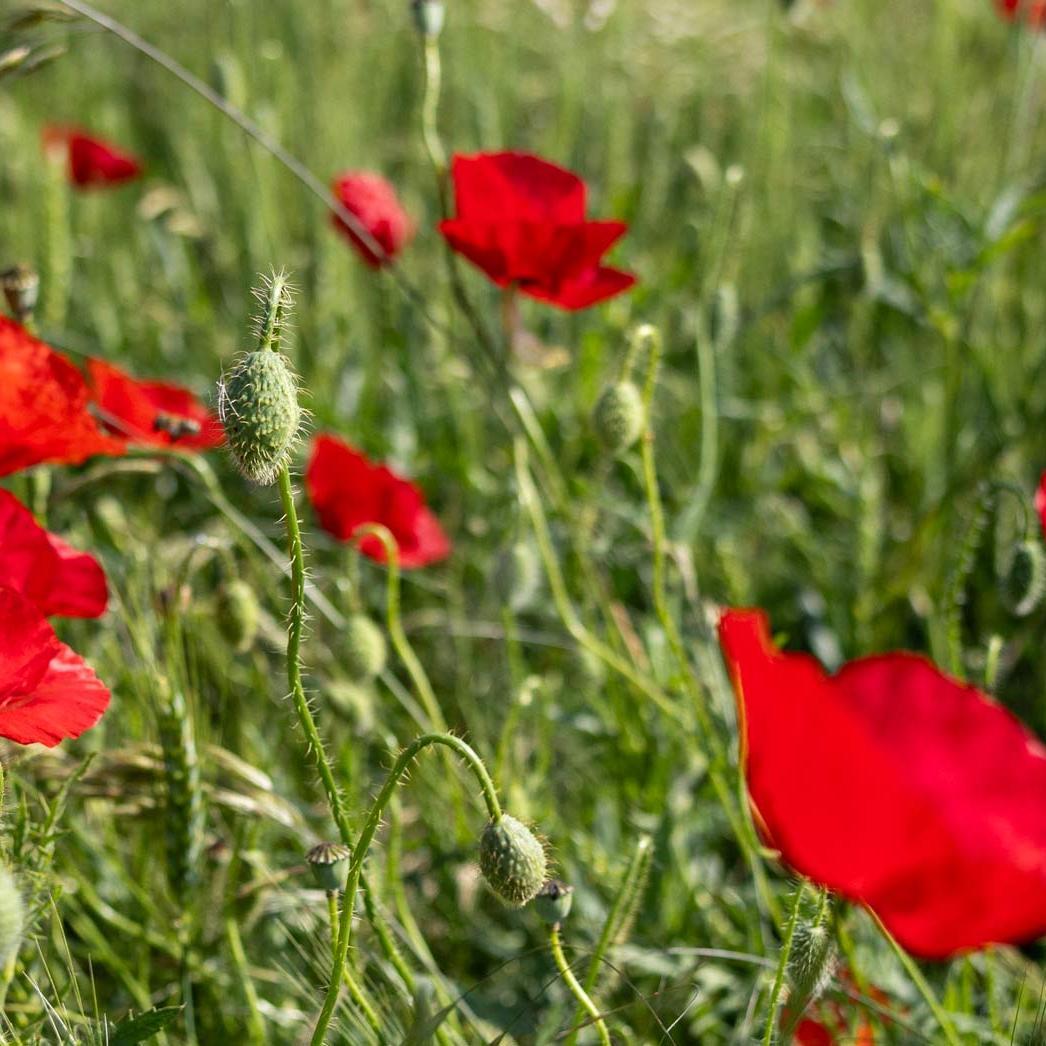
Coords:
619,416
512,860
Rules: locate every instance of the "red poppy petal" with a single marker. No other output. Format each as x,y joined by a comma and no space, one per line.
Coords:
80,588
896,786
1040,502
27,645
512,186
587,289
485,244
152,413
373,202
44,415
92,162
68,700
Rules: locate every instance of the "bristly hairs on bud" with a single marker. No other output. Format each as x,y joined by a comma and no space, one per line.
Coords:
811,963
275,295
512,860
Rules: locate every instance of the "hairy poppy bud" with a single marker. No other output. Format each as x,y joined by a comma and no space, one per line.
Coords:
365,650
810,963
330,865
1024,578
21,287
553,901
258,405
512,860
428,17
517,575
12,917
238,614
619,416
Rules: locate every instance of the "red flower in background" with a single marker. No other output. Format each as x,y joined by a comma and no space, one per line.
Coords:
47,691
40,566
92,162
521,220
1031,11
347,490
373,201
153,413
897,787
1040,501
44,415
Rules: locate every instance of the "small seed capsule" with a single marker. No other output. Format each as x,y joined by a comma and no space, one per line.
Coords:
512,860
619,416
554,901
330,865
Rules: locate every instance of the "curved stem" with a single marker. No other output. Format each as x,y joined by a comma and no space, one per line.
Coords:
294,636
362,845
579,993
430,107
782,964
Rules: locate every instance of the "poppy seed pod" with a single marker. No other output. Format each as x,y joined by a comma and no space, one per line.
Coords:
330,865
238,614
21,287
1023,581
12,917
619,416
428,17
365,650
554,901
258,405
512,860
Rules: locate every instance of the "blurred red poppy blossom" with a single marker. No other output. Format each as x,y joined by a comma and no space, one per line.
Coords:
44,412
47,691
153,413
347,490
373,202
897,787
521,220
40,566
1031,11
1040,501
92,162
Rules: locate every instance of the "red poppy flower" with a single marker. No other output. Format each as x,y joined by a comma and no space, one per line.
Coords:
373,201
58,579
1040,501
44,415
897,787
521,220
47,691
154,413
347,491
92,162
1031,11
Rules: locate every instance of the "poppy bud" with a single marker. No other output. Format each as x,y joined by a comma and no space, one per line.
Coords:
21,286
810,963
330,865
517,575
512,860
365,650
1024,579
258,405
238,614
12,917
619,416
428,17
553,901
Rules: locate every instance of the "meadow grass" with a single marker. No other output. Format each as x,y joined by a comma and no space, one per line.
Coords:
836,217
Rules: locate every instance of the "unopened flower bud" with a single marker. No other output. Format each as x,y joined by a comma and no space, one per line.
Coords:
428,17
553,901
365,650
330,865
21,287
517,575
811,963
238,613
258,405
619,416
12,917
1023,581
512,860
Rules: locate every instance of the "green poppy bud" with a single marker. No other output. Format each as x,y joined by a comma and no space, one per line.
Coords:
365,650
619,416
258,405
12,917
512,860
553,901
238,614
330,865
1024,579
810,962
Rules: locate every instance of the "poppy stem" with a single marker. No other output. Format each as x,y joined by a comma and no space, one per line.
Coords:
355,990
579,993
911,967
782,965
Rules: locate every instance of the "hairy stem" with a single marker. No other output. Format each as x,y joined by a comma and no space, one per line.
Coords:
579,993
